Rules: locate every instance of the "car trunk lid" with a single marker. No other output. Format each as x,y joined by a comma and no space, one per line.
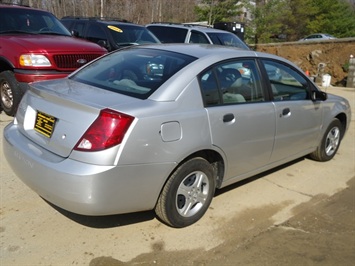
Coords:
55,114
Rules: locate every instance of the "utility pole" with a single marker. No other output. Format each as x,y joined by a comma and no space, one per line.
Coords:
159,10
210,13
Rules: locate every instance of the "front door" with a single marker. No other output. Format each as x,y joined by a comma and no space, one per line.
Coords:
298,118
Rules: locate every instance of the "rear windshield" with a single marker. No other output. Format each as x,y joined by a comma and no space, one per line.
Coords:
228,39
133,72
169,34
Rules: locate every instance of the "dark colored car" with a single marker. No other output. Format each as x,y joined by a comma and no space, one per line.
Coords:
111,34
188,33
35,46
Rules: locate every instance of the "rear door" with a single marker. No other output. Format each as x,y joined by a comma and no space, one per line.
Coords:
242,121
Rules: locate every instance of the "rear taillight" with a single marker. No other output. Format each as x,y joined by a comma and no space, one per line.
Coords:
107,131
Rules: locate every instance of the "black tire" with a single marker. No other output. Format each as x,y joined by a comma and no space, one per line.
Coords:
187,194
10,93
330,142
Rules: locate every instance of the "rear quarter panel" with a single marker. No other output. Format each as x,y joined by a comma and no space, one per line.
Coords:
146,143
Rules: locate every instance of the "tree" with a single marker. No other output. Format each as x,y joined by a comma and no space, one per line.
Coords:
299,14
298,18
217,10
268,19
333,17
292,18
137,11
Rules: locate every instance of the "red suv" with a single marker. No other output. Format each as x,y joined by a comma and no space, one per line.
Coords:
34,46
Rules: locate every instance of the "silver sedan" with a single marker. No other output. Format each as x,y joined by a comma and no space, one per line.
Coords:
163,126
318,37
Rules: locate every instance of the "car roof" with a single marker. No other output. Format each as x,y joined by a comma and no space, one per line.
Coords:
187,26
110,22
221,52
101,20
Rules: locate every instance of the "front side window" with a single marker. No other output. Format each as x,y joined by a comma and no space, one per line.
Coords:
232,82
96,33
134,72
130,34
286,83
79,28
228,39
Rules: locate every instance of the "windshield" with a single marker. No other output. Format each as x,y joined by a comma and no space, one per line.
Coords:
228,39
16,20
134,72
131,34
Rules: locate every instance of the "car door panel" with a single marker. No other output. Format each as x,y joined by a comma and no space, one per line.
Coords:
297,128
298,118
245,133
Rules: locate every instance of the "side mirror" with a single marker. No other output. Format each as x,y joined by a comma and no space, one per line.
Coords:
319,96
74,33
103,44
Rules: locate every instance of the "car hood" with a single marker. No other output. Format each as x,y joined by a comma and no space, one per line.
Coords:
74,107
52,43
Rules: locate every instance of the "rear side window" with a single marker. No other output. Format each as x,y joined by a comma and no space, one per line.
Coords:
232,82
169,34
134,72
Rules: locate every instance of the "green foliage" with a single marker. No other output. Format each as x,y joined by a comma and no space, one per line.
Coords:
346,66
268,19
298,18
335,17
217,10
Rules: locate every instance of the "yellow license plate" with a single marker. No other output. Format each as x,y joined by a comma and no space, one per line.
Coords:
45,124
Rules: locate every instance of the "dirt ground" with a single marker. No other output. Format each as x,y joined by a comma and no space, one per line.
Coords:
308,56
302,213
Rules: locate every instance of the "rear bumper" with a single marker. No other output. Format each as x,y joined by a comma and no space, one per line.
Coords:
83,188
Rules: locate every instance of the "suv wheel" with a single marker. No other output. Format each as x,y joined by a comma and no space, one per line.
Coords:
10,92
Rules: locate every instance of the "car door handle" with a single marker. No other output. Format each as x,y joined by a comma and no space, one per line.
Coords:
286,112
228,118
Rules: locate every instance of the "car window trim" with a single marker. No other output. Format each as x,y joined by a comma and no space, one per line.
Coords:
309,86
266,91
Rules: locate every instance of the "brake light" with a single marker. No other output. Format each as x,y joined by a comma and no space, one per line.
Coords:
105,132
